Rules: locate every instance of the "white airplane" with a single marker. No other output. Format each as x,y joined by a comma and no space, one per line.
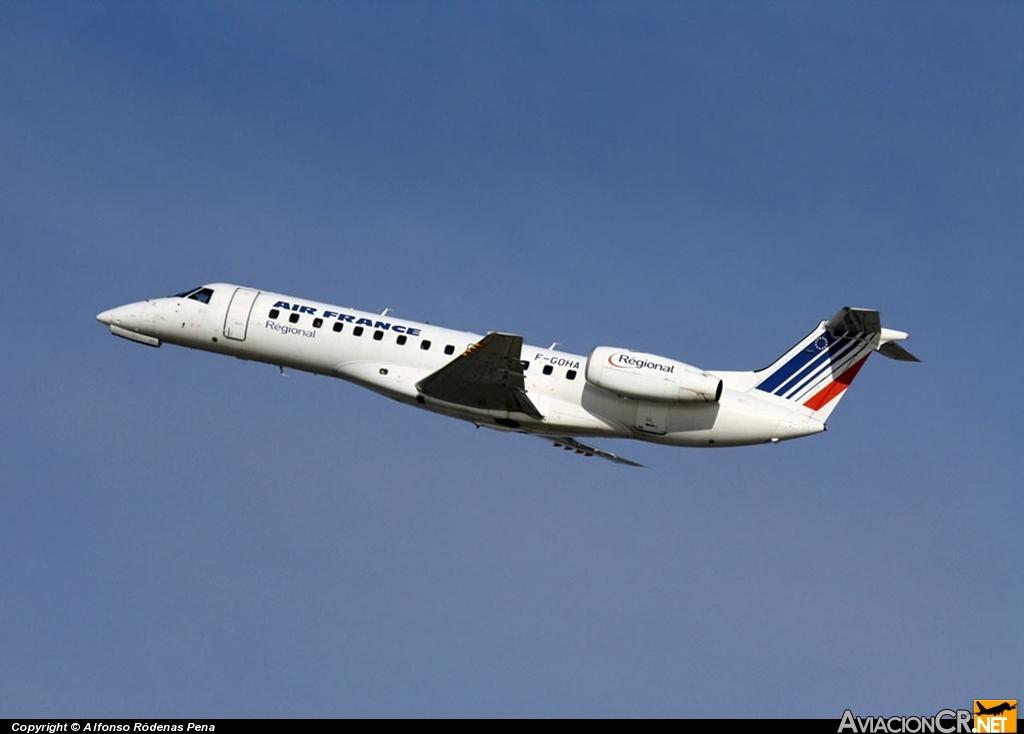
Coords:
498,382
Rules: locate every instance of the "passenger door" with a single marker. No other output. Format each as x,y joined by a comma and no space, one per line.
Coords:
236,322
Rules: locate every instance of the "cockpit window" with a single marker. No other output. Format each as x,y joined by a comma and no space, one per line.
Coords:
196,294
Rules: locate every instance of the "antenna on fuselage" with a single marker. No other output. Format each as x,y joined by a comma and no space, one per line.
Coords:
553,345
385,312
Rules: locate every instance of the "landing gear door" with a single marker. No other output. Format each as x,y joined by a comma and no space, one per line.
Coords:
652,417
236,322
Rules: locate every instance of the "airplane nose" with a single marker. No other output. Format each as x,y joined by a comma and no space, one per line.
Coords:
123,315
134,321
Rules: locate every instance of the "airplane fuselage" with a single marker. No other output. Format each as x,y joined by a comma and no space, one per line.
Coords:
391,355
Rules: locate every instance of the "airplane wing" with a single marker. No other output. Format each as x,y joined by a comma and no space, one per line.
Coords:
569,444
488,376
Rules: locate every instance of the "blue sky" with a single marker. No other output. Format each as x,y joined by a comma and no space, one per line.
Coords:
188,535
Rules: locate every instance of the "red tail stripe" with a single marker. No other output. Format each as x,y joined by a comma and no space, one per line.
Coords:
835,388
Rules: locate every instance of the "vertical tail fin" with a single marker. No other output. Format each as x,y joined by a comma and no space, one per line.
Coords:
816,372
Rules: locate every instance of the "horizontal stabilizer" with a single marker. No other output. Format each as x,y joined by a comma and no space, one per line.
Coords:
890,349
895,351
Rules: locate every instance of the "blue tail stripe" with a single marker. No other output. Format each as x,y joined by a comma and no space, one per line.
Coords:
819,359
780,375
837,365
833,355
798,362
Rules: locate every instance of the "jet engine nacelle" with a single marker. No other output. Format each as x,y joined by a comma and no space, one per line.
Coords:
650,377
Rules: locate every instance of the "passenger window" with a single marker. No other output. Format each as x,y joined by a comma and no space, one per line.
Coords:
402,339
425,344
378,335
317,323
294,318
337,325
358,331
449,349
274,313
547,369
570,375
